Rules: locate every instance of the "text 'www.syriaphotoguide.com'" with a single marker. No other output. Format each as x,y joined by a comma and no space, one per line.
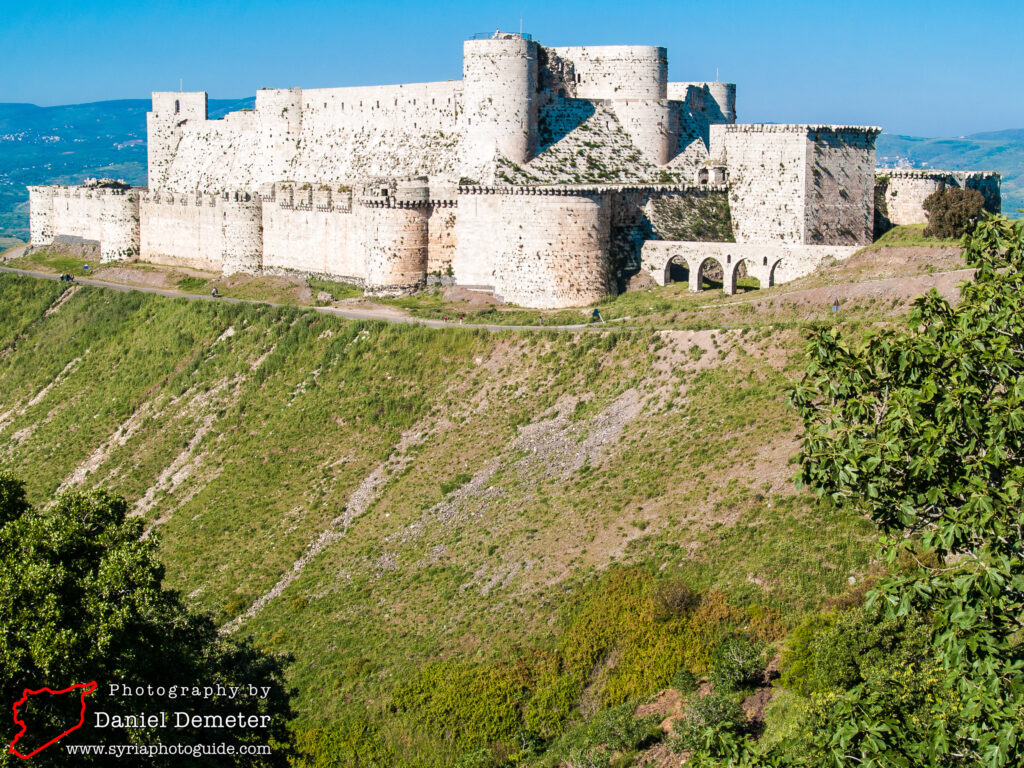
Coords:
152,750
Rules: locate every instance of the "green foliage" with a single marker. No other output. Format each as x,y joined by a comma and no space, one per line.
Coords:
702,217
336,288
924,429
613,732
191,284
835,652
81,599
952,211
468,705
684,681
738,663
711,725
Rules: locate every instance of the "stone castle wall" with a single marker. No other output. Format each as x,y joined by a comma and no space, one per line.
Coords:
543,175
215,232
312,231
618,71
553,250
901,192
109,217
839,207
798,183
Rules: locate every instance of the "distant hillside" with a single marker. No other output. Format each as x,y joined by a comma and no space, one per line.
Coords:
64,145
67,144
1001,151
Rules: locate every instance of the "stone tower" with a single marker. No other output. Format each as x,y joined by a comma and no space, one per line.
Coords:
499,100
171,110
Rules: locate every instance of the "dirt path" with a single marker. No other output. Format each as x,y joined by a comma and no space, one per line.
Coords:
897,287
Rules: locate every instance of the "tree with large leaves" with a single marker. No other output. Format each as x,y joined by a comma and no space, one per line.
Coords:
923,429
81,600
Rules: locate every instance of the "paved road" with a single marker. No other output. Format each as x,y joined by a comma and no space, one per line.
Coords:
386,315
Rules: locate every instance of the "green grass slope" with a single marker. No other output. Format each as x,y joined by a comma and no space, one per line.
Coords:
464,538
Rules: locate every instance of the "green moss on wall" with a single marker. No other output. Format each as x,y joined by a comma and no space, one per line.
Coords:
702,216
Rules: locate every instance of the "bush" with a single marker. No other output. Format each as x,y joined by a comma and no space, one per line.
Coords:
611,731
952,211
712,724
738,662
684,681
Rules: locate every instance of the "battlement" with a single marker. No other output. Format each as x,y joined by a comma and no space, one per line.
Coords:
802,128
383,184
567,190
931,173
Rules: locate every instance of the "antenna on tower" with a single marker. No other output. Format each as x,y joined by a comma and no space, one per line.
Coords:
520,25
181,84
716,74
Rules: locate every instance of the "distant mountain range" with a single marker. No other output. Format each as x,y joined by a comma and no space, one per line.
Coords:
67,144
1001,151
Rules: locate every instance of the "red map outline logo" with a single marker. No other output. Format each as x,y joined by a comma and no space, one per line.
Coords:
87,688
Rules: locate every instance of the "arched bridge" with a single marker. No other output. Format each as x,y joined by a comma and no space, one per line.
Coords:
770,263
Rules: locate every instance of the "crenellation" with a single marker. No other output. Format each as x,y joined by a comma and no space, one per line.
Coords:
900,192
546,175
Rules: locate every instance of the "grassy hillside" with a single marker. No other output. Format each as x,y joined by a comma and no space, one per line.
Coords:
442,526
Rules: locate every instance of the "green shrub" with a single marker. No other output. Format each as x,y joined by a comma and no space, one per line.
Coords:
613,731
837,651
952,211
738,662
684,681
712,725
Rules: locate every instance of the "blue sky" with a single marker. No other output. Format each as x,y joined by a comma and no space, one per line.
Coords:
921,68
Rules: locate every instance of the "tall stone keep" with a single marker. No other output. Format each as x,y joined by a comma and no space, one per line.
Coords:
499,99
171,110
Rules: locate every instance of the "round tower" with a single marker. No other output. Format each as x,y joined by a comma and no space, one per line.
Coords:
241,216
40,215
119,225
396,237
279,123
724,95
499,99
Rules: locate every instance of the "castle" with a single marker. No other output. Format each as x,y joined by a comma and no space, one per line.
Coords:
546,175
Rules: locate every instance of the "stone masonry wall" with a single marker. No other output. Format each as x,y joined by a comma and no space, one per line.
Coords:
798,183
109,217
840,186
202,231
441,237
554,251
767,179
903,191
316,232
618,71
327,136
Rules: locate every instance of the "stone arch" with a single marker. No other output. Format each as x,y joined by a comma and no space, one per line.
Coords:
743,276
774,271
677,270
711,271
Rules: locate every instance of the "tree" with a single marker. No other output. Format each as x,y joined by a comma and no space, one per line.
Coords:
81,599
924,428
952,211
